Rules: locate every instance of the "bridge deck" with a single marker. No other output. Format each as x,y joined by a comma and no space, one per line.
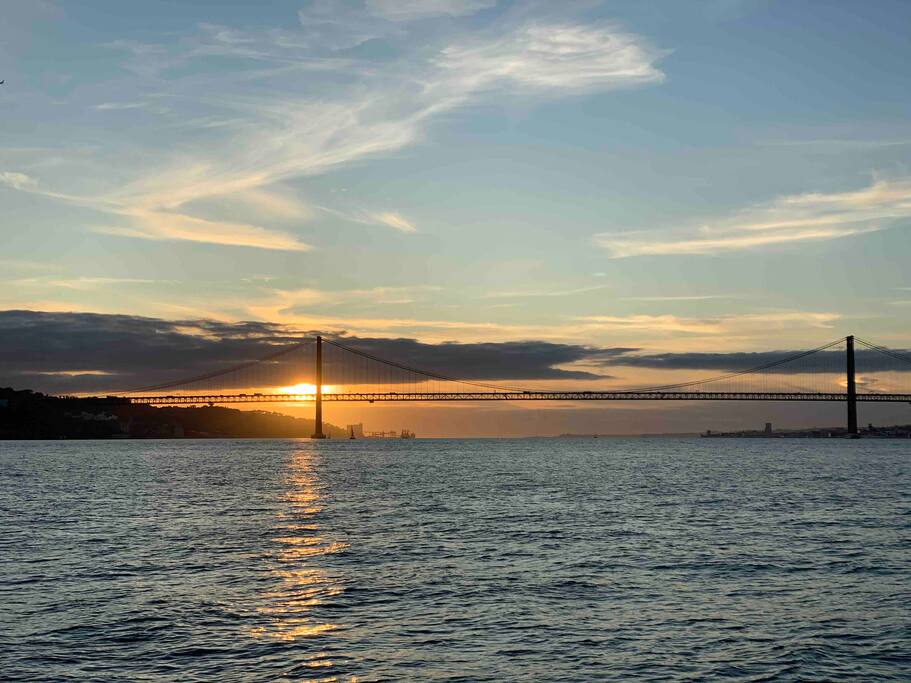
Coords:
371,397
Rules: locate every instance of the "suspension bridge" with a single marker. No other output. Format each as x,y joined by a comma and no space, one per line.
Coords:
322,370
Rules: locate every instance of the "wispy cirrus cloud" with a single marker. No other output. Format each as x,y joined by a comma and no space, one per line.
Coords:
161,225
695,297
733,328
790,219
838,145
315,308
396,221
17,181
82,282
117,106
277,203
409,10
561,57
152,220
284,304
389,219
298,104
543,293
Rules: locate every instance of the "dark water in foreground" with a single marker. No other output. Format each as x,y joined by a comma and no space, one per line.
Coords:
515,560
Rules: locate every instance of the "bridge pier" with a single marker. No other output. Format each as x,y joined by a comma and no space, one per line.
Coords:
851,387
318,426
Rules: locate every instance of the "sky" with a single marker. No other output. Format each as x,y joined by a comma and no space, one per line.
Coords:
710,177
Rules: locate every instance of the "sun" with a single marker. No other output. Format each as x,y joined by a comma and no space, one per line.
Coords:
305,389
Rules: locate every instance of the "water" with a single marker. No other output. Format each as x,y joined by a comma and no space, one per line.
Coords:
420,560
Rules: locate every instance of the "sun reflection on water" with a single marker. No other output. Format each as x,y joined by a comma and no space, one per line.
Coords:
302,585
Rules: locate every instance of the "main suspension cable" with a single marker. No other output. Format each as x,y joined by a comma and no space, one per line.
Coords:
884,350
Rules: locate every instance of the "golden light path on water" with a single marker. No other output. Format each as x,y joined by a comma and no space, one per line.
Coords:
301,585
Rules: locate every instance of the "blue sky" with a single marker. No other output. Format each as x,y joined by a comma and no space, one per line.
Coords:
724,174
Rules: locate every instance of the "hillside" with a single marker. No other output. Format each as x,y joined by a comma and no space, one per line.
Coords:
26,414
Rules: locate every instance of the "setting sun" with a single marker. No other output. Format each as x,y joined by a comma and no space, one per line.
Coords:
305,388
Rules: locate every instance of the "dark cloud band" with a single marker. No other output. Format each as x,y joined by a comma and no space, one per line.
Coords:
88,352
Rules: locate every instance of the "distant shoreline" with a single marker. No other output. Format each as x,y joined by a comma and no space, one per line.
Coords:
868,432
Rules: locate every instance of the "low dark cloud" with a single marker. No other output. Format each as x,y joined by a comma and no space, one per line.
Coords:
37,346
88,352
63,352
487,361
821,361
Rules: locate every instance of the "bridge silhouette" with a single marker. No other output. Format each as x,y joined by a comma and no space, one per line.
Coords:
341,372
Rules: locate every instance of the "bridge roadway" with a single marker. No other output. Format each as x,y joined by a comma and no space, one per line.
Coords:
371,397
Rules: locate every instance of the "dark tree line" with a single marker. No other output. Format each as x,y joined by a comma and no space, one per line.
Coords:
26,414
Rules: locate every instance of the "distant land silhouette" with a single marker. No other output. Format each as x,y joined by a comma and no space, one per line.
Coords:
869,432
27,414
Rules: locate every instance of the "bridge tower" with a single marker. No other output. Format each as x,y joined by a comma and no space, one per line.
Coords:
852,387
318,427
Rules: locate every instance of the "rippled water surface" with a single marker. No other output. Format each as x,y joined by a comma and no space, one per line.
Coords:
421,560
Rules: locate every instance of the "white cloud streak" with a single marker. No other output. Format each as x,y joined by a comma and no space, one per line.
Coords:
394,220
696,297
117,106
17,181
556,57
289,303
667,332
789,219
160,225
543,293
410,10
715,325
83,282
